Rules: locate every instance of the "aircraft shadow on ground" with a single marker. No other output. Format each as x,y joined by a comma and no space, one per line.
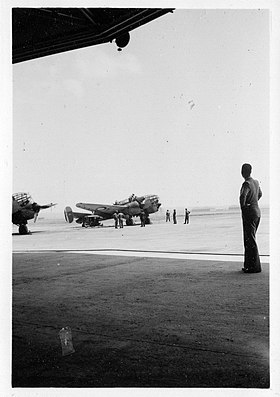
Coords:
103,227
29,233
73,228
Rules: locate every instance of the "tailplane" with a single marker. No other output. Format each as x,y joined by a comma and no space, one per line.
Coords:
68,214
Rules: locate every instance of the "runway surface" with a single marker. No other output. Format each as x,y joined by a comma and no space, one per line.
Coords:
144,312
216,237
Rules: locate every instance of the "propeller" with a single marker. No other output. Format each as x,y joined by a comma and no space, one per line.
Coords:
36,215
37,208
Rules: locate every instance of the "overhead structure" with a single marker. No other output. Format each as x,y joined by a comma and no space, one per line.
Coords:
38,32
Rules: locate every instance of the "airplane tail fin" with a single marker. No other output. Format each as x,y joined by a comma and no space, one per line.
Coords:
68,214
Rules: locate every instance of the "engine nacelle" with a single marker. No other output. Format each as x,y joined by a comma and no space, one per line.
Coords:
134,208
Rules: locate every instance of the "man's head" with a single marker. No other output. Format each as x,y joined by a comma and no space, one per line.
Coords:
246,170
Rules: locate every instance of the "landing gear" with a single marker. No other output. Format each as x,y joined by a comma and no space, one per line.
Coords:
23,229
129,221
91,222
148,221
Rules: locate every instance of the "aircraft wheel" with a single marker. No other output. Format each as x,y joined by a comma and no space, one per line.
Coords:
23,229
129,222
148,221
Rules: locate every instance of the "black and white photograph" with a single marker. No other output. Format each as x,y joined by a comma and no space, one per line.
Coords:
140,162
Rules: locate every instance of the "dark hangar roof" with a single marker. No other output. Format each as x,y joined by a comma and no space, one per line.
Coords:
38,32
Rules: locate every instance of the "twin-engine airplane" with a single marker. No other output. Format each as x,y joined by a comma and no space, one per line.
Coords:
133,206
24,209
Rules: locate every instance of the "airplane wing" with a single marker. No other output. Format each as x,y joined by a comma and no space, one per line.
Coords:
43,207
105,210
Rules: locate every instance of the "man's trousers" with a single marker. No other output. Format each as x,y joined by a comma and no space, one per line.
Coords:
251,253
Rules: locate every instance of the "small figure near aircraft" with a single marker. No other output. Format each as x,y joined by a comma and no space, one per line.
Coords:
133,206
187,216
167,216
174,217
120,218
116,218
143,219
24,209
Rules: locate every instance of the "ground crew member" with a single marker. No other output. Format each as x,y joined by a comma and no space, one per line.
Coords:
167,216
120,218
116,217
187,216
132,198
143,218
174,217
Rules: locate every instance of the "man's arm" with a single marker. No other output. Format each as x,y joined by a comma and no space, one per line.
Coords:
243,195
260,193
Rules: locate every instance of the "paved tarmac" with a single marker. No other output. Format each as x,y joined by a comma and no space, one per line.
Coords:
138,322
167,306
206,237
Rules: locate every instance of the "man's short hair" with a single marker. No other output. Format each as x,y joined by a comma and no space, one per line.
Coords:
246,170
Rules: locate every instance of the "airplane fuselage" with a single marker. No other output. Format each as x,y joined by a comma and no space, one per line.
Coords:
149,204
131,207
21,217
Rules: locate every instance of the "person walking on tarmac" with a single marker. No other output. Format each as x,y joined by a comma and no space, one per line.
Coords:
167,216
174,217
120,218
187,216
143,218
116,218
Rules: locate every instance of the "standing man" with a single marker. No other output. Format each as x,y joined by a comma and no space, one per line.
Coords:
120,218
187,216
250,193
143,218
174,217
116,217
131,198
167,216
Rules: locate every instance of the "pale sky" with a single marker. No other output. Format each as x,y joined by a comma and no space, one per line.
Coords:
175,113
